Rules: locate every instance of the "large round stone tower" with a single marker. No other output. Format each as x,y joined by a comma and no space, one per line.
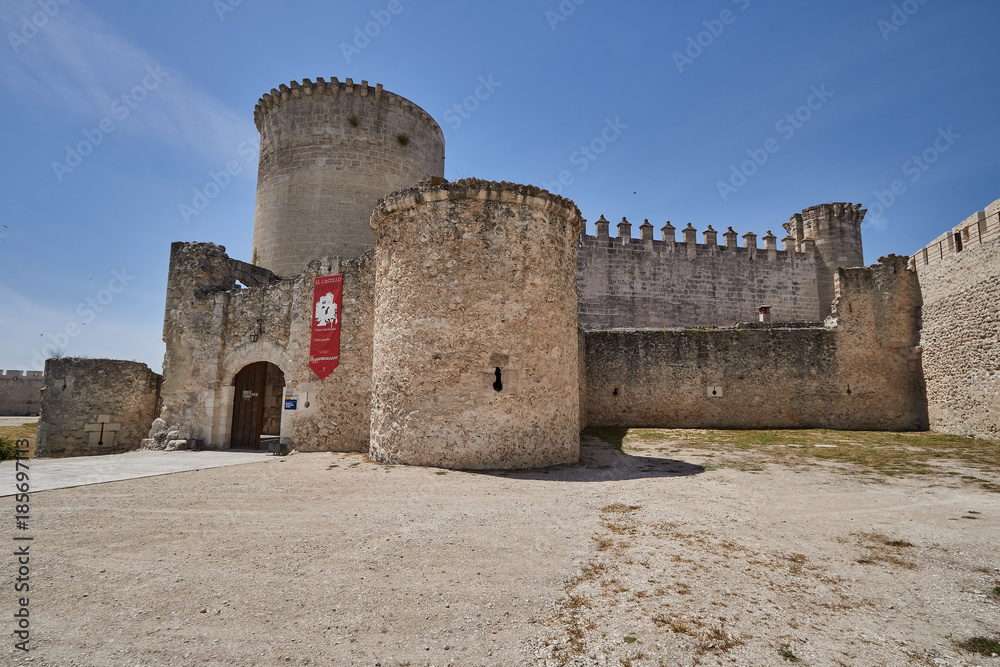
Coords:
475,348
836,231
328,151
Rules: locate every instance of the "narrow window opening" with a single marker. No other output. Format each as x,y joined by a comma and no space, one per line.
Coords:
615,392
498,385
848,390
958,243
715,392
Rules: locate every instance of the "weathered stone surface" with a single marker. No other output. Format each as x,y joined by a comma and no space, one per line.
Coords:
328,152
20,392
209,330
474,277
859,371
475,350
960,280
96,406
627,282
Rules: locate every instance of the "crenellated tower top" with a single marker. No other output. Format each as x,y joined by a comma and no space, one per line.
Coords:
334,87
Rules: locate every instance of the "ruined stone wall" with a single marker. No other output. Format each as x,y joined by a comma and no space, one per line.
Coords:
859,371
628,282
329,150
96,406
476,349
959,276
213,328
20,392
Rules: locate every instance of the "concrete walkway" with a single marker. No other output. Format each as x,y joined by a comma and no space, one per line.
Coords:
48,474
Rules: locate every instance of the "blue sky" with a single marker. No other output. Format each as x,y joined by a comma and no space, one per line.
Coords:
116,113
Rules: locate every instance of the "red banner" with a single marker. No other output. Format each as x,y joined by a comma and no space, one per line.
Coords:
324,349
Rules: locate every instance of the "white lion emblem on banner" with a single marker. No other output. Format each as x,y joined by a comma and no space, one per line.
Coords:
326,310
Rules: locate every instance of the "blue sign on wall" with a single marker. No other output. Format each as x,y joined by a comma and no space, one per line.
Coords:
290,403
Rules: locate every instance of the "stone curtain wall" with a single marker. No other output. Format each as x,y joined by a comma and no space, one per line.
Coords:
81,395
329,150
474,278
20,392
844,375
959,276
213,328
628,282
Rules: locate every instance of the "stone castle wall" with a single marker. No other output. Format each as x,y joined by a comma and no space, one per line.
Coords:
645,282
959,275
213,328
476,349
96,406
860,371
329,150
20,392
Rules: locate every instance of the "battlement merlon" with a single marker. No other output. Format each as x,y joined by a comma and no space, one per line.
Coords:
980,227
21,375
790,251
308,88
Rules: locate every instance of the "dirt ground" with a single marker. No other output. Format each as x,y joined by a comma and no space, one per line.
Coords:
664,552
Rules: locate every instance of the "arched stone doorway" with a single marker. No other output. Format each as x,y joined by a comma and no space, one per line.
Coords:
257,404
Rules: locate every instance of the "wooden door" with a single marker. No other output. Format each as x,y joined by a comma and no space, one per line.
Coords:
248,406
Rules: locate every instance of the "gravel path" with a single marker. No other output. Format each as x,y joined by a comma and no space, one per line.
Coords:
328,559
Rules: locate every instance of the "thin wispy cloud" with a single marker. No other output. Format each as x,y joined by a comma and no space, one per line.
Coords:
79,66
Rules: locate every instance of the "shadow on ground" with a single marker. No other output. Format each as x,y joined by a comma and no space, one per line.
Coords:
603,460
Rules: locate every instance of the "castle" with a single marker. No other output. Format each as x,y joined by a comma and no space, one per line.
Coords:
481,327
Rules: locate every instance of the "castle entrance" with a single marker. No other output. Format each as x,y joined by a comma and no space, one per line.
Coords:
257,403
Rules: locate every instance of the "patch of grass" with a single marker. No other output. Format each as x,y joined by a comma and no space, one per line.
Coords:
889,453
619,508
629,639
612,436
898,543
884,549
798,560
8,449
23,432
603,543
592,570
788,656
441,472
996,592
403,138
981,645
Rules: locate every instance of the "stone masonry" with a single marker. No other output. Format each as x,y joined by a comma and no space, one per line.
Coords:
21,392
648,282
475,352
482,329
959,275
328,151
858,371
96,406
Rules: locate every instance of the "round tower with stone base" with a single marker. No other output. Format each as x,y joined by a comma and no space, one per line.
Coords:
328,151
475,360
